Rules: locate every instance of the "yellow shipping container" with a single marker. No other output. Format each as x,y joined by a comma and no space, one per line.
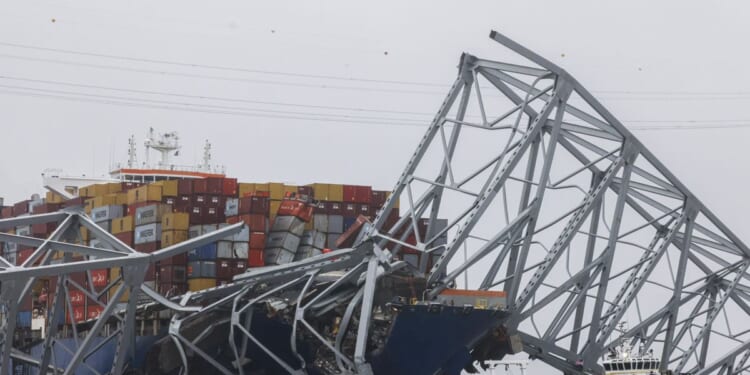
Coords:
245,188
53,197
114,187
263,187
114,273
274,207
168,187
175,221
122,225
84,234
309,225
320,191
122,198
336,192
195,285
171,237
105,200
145,193
88,204
276,189
93,190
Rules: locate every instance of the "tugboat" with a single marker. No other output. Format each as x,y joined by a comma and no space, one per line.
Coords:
624,360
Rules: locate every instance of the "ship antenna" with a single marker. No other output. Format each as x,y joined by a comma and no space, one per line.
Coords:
132,156
207,156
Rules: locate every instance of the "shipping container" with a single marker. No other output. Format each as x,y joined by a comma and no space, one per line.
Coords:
224,249
173,237
185,187
257,240
172,274
147,233
152,213
201,269
245,189
277,256
175,221
145,193
253,205
313,238
283,240
122,224
169,188
231,207
240,249
255,258
105,213
335,224
289,224
205,252
195,285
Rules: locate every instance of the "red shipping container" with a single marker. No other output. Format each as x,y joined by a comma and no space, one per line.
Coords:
256,223
21,208
335,208
257,240
169,200
347,239
350,193
200,200
172,274
253,205
378,198
350,210
200,186
239,266
185,187
224,269
100,278
43,229
23,255
6,212
196,215
296,208
77,298
216,201
363,194
125,237
26,304
214,215
214,185
177,260
79,314
77,201
229,187
365,210
94,311
255,258
46,208
148,247
135,206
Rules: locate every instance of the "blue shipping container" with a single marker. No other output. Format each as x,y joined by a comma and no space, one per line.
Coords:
348,222
205,252
23,319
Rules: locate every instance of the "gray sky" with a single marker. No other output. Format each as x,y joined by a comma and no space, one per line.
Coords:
666,64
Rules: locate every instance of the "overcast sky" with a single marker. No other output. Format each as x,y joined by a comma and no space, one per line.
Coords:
655,65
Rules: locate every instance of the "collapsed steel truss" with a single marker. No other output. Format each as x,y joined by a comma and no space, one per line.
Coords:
599,232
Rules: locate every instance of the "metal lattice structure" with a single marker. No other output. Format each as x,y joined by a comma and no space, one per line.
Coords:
548,197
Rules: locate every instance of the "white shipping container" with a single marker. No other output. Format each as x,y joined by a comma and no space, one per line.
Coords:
147,233
240,250
320,222
335,224
305,252
195,231
24,230
104,213
151,213
284,240
224,249
277,256
291,224
208,228
232,207
243,235
332,238
314,238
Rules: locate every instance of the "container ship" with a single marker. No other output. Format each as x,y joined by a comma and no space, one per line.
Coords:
149,206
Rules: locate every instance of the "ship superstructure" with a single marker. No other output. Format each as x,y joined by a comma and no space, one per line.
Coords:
624,359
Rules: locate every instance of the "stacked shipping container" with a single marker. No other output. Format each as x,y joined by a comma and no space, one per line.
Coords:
283,223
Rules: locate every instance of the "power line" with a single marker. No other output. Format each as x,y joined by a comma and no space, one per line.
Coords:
217,98
334,77
187,104
289,115
299,105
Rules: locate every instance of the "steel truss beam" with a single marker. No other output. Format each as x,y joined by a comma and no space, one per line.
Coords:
548,196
